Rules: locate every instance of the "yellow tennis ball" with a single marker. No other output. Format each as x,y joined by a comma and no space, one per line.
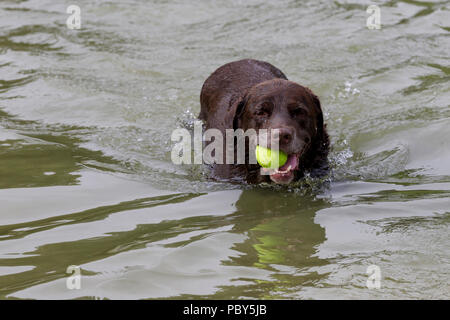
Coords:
268,158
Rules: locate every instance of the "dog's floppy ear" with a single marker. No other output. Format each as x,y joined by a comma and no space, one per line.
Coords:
239,108
321,143
318,112
319,117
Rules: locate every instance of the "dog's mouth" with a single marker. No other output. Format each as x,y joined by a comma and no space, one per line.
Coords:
284,174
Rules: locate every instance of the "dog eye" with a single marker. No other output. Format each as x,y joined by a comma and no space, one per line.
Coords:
264,109
262,112
299,112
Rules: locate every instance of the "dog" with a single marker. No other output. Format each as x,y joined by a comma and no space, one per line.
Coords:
252,94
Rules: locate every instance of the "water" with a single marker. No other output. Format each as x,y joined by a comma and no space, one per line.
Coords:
85,172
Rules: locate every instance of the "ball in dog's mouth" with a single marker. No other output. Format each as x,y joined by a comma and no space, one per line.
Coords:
284,174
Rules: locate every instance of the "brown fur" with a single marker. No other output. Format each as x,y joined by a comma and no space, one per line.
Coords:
254,94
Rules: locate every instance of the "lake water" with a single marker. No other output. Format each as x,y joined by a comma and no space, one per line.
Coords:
85,172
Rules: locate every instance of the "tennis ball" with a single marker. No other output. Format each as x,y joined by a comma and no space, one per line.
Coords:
268,158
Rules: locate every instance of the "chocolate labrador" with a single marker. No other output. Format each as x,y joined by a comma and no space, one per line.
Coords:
252,94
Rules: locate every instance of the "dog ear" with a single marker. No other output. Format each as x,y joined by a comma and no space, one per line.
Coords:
318,111
322,141
239,108
316,158
319,116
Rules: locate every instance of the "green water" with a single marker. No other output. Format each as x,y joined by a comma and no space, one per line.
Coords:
86,177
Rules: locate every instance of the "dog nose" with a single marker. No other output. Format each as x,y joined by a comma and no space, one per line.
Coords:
285,136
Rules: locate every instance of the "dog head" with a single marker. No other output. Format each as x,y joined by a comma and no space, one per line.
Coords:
293,110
